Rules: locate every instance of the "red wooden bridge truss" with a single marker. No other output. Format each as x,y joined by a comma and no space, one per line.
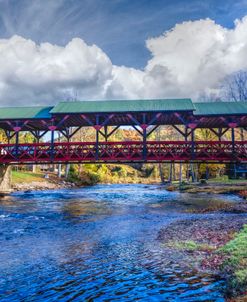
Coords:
124,152
102,150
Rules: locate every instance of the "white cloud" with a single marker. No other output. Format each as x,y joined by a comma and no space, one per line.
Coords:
46,73
187,61
195,57
126,83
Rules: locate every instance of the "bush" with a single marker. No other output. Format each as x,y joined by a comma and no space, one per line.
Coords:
94,178
85,178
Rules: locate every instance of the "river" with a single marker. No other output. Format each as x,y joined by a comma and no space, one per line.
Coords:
97,244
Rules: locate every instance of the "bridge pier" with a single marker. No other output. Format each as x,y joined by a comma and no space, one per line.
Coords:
5,180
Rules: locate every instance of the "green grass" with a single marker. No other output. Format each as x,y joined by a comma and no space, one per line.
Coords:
236,262
26,177
189,245
226,180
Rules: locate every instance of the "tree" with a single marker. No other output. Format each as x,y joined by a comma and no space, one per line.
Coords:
235,87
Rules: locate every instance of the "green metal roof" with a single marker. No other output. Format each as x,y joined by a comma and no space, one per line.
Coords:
220,108
209,108
124,106
25,112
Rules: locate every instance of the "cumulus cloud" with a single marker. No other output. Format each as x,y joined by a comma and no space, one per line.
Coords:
189,60
196,56
125,83
45,73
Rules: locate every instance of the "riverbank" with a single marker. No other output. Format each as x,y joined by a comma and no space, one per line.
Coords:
235,188
231,187
28,181
212,245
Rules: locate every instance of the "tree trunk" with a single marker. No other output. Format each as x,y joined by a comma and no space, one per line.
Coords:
161,173
170,172
59,170
67,171
180,173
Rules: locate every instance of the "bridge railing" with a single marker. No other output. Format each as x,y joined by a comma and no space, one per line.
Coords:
131,151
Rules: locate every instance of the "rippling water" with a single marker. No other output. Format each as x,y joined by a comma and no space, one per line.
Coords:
96,244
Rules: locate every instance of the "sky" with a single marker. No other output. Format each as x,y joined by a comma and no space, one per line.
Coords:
53,50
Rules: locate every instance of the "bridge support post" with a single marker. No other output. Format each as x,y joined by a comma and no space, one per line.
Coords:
97,128
192,127
233,151
16,141
233,140
52,145
144,136
52,129
5,180
106,133
97,145
192,144
144,143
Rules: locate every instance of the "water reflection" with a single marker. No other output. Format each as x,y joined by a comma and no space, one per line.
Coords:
97,244
191,202
87,210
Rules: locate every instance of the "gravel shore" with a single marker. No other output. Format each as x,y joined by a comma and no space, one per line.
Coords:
42,185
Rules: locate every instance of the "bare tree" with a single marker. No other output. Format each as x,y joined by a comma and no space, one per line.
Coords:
235,87
212,97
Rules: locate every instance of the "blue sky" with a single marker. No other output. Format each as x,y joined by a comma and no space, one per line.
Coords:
53,50
119,27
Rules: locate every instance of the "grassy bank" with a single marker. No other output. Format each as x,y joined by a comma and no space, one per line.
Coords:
26,177
28,181
232,255
214,245
235,263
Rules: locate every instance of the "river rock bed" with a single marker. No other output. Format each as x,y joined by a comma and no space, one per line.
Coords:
42,185
212,231
224,207
211,188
